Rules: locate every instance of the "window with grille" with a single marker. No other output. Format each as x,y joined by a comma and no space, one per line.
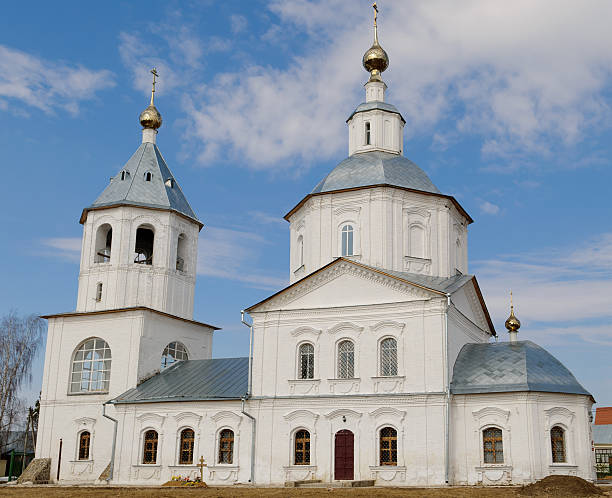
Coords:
493,445
557,440
226,446
84,441
388,357
347,240
306,361
302,448
91,367
346,360
149,448
187,440
173,352
388,446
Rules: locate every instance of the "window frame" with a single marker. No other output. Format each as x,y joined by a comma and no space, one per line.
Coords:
347,228
307,452
380,356
379,432
367,133
155,453
338,353
180,445
563,442
299,360
106,372
184,351
101,257
220,450
80,435
494,450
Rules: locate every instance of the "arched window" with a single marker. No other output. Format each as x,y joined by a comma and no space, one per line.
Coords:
173,352
416,235
149,448
301,450
557,442
493,445
143,250
91,367
181,252
388,446
148,176
104,241
300,250
346,360
124,175
306,353
99,292
84,442
226,446
347,240
388,357
187,440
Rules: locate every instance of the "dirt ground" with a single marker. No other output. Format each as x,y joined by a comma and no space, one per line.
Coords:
74,492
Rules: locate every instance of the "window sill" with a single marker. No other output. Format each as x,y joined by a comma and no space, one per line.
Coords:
344,386
562,466
223,466
147,465
304,386
89,393
300,467
387,467
494,466
388,377
80,461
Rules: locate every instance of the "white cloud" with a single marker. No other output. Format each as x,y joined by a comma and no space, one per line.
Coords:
268,219
68,248
506,71
565,290
489,208
238,23
47,85
233,255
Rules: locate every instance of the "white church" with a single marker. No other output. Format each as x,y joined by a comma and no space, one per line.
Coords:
378,362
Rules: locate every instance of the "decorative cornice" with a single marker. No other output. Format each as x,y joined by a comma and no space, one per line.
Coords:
345,326
491,412
388,324
305,329
301,413
340,412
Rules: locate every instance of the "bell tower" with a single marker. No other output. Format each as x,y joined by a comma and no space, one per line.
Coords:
140,236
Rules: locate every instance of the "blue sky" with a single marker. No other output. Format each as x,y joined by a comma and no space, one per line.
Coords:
508,108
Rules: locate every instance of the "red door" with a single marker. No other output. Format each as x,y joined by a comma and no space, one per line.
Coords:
343,466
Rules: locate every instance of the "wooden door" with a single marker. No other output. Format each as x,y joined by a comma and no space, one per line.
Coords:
344,451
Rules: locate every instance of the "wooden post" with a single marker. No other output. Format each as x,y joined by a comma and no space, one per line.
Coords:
59,459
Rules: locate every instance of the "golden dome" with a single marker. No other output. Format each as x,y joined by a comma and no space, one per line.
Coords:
151,118
375,60
513,323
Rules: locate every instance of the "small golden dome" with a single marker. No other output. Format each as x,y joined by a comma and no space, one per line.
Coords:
150,118
375,60
513,323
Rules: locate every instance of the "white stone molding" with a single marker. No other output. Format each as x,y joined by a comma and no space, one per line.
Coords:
388,413
81,425
388,324
494,474
564,418
312,417
499,418
334,271
227,417
346,327
307,331
188,419
392,475
304,386
389,384
491,415
80,469
386,416
150,419
146,472
346,209
223,473
344,386
300,472
343,412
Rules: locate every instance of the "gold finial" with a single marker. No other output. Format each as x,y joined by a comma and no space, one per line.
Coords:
375,60
512,323
155,75
151,118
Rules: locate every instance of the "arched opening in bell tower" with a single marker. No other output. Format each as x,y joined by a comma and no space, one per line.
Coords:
104,240
181,252
143,250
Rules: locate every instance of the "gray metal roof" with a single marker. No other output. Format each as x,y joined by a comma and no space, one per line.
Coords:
134,190
193,380
376,168
370,106
602,434
509,367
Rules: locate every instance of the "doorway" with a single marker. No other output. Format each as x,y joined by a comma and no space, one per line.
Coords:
344,455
